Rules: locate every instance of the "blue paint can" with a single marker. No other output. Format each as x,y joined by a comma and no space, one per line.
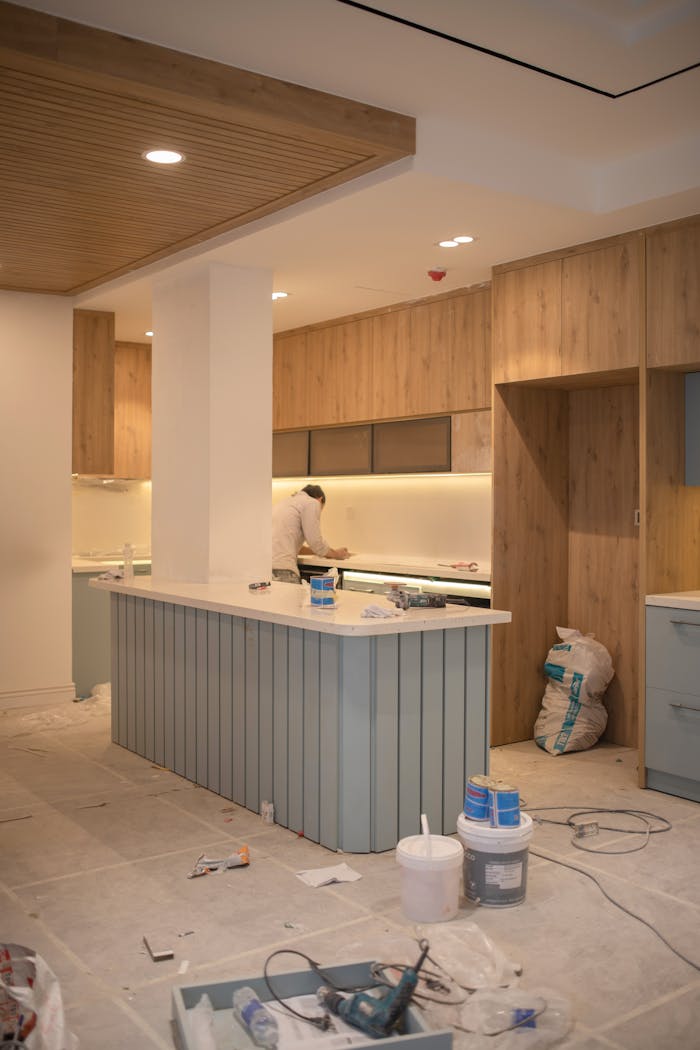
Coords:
504,807
323,591
476,798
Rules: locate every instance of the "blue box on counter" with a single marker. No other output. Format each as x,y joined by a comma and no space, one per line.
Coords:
286,985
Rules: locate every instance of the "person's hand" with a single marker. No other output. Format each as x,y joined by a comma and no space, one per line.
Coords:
340,553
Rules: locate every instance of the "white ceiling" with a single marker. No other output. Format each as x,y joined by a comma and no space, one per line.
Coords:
523,161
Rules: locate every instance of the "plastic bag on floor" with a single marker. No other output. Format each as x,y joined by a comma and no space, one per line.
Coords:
470,958
31,1007
579,670
516,1019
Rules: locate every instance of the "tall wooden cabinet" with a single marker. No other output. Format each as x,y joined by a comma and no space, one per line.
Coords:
590,510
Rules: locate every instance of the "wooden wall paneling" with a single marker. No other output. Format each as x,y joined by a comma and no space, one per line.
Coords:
673,295
471,442
601,319
132,409
527,322
470,358
673,509
604,549
390,364
530,549
289,381
93,392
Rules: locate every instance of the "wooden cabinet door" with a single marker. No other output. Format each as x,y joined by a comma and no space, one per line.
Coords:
470,358
673,296
289,386
527,322
93,392
132,410
602,295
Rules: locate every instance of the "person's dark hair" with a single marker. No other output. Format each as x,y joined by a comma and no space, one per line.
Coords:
315,491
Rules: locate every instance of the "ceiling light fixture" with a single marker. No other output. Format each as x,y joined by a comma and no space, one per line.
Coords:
149,333
163,156
448,244
280,295
464,240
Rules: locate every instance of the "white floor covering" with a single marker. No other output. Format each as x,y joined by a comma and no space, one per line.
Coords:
101,854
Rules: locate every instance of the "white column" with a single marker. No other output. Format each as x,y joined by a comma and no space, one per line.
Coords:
212,425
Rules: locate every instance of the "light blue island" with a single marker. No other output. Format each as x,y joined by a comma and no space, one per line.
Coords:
352,727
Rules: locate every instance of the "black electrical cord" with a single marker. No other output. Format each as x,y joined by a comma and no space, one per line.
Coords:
318,1022
637,814
434,982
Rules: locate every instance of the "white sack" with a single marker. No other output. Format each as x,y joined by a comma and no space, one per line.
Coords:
579,670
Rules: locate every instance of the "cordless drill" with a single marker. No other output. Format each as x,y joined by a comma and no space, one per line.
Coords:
377,1017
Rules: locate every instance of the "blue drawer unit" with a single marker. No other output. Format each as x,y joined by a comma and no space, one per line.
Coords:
672,742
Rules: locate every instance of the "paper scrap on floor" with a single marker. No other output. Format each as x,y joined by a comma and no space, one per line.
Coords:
325,876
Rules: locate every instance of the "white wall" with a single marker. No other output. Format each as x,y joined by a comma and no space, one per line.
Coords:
36,364
441,518
107,514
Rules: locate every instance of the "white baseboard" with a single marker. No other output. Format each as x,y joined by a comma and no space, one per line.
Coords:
37,697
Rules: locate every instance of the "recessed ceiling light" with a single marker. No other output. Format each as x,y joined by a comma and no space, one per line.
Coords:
280,295
149,333
163,156
464,240
448,244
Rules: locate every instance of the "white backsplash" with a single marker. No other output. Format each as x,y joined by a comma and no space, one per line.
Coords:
439,518
436,517
108,514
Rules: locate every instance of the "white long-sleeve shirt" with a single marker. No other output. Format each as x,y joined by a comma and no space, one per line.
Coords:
295,521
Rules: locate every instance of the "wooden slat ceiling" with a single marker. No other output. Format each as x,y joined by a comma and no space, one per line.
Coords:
78,107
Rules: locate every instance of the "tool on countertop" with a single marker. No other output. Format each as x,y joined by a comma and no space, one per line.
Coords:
468,566
261,586
378,1017
412,600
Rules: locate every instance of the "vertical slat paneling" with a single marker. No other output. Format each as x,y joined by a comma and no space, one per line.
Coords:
296,729
476,702
409,733
355,735
252,715
213,704
432,686
191,694
148,681
453,762
179,687
311,736
385,755
329,740
266,740
238,709
158,686
226,706
281,725
168,686
130,677
201,774
115,658
138,651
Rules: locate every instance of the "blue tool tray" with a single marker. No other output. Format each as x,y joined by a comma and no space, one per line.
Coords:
286,985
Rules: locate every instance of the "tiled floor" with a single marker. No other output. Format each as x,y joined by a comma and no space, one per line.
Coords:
102,854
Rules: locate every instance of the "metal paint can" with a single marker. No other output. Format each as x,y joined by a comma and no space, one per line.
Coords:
504,806
476,798
323,591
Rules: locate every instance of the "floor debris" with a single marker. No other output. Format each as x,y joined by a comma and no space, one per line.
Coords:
325,876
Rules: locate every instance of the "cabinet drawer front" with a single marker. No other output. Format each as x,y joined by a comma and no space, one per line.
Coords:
673,649
673,733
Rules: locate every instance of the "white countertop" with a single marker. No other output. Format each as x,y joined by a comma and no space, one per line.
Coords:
402,566
677,600
281,603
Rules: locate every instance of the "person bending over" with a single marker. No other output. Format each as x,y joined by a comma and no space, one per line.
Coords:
296,529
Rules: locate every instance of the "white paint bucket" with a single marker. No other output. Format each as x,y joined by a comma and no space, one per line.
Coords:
495,861
430,871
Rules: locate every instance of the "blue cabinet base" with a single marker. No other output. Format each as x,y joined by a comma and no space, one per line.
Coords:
672,785
351,738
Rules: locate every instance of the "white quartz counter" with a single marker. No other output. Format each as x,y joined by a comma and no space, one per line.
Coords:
102,564
677,600
282,603
401,566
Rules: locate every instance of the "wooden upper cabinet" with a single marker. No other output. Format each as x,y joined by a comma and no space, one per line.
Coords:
602,296
93,392
132,410
289,387
527,322
673,295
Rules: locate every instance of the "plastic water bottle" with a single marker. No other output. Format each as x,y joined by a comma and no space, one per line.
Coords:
255,1018
128,561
